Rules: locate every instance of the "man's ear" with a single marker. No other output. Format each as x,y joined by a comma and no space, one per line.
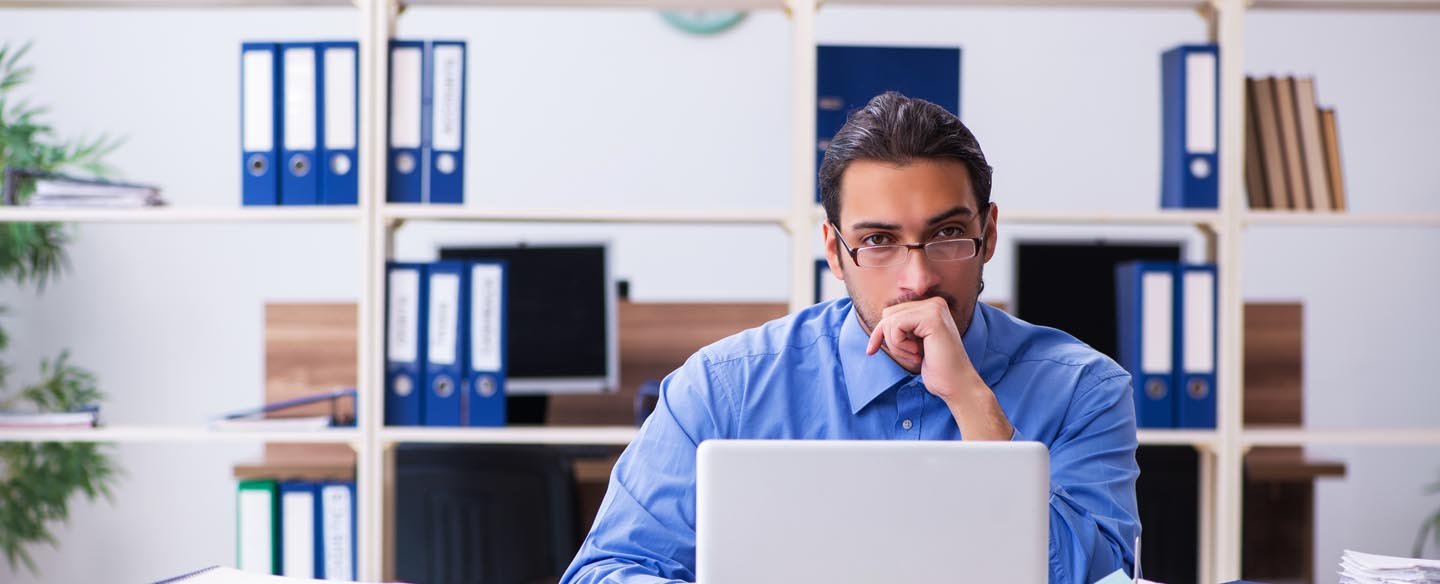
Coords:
832,253
991,233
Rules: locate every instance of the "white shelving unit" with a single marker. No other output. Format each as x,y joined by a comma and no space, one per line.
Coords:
1223,448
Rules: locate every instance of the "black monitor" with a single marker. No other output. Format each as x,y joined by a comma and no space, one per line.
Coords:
560,316
1070,285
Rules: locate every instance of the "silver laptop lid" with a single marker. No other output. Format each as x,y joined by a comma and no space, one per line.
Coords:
872,511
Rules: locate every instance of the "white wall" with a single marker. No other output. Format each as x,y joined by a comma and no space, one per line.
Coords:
612,109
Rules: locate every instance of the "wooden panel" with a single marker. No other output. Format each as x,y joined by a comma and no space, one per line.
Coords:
310,347
1274,358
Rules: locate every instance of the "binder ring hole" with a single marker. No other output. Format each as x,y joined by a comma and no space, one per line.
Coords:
1200,168
403,385
1155,389
257,165
299,165
404,163
486,387
340,165
1197,388
444,387
445,163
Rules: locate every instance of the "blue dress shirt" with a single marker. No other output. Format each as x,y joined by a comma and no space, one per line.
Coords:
806,376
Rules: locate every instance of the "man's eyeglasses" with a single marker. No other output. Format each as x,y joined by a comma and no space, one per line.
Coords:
884,256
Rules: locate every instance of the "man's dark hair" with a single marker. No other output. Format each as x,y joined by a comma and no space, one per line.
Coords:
899,130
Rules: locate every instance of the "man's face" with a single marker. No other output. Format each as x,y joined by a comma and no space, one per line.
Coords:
924,201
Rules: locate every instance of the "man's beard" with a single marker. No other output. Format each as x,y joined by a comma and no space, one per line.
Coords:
959,312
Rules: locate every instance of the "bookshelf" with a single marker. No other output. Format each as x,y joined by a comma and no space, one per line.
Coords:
1222,449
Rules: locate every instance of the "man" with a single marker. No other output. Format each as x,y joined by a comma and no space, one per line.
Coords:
910,355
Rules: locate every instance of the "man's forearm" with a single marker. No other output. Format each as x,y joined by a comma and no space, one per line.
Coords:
978,413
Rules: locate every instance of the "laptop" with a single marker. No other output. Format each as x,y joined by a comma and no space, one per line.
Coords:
872,511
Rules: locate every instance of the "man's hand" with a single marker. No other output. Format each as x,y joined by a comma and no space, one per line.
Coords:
922,337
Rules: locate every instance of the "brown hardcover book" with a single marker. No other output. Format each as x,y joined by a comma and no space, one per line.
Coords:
1290,142
1271,150
1330,135
1312,151
1254,161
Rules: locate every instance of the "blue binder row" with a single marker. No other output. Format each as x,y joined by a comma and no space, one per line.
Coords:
1190,163
1167,325
426,161
445,343
299,123
308,532
848,77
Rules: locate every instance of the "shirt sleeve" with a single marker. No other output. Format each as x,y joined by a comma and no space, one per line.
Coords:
645,529
1093,518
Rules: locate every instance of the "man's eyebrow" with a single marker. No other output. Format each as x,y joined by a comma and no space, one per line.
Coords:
875,225
960,210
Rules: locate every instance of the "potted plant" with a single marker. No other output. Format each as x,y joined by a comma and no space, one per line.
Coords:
38,480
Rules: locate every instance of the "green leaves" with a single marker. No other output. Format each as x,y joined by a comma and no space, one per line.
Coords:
1431,525
37,480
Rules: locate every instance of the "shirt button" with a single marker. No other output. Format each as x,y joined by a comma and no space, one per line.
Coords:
906,424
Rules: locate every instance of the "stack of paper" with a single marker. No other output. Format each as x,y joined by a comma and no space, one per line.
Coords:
1361,568
63,191
85,418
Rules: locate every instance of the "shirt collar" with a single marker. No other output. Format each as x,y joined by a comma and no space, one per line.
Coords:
868,376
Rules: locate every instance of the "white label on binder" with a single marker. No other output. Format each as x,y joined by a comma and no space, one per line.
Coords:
405,97
447,92
404,325
340,98
255,533
1156,321
336,513
1200,104
1199,322
486,291
259,96
297,534
299,99
444,317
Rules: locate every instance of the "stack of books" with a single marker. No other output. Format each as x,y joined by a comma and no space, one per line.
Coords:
1292,147
1362,568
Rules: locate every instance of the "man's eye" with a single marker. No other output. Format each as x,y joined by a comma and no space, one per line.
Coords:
877,239
951,232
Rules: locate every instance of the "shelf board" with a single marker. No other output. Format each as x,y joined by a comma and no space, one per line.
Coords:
568,435
1341,436
176,435
181,215
1196,438
1164,4
1342,219
646,4
420,212
171,3
1376,5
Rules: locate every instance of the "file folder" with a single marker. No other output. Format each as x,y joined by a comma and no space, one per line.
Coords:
257,538
339,152
299,533
1190,166
446,169
1145,309
405,165
485,377
405,328
259,124
337,530
445,352
1196,351
849,76
300,129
